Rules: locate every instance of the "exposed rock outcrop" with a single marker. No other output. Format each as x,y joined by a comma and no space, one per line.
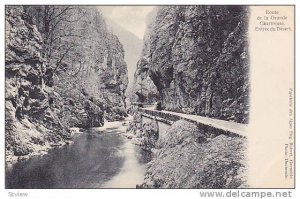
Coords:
30,122
187,157
197,57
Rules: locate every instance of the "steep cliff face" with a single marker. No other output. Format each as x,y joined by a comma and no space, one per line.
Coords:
144,89
132,46
197,57
86,61
30,121
60,73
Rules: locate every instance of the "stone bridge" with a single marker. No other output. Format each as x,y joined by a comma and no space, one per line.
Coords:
165,119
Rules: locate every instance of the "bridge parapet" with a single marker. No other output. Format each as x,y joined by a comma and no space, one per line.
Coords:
141,104
160,115
210,125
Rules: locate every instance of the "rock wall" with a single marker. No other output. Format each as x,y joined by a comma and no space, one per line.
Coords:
92,69
57,77
31,124
197,57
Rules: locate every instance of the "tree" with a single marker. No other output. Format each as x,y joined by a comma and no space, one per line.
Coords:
55,24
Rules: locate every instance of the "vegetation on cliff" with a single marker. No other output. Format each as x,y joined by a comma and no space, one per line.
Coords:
85,61
64,69
31,123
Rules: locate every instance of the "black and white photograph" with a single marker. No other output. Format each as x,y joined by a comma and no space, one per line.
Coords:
146,97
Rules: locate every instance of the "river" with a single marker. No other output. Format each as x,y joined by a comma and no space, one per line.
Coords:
99,158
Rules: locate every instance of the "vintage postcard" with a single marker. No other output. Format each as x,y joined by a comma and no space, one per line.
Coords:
149,97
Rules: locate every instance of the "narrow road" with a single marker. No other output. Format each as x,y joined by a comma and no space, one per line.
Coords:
233,127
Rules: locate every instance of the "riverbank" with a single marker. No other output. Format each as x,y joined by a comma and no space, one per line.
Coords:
143,135
37,150
189,157
98,158
44,147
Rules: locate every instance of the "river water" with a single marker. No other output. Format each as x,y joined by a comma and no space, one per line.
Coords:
98,158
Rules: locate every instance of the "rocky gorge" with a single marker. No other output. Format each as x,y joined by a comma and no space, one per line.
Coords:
70,94
63,68
195,60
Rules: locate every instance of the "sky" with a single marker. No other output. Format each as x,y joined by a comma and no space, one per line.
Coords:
131,18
